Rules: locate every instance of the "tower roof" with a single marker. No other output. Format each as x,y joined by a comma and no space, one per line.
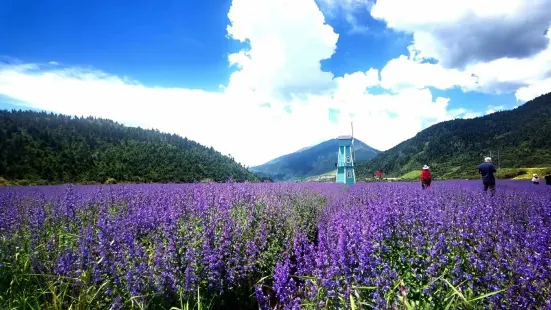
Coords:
347,137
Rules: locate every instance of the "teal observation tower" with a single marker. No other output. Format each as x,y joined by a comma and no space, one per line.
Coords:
345,160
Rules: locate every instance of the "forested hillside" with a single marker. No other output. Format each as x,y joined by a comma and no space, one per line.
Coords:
453,149
40,147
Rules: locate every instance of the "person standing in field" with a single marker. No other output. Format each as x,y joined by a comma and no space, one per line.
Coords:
426,177
487,170
535,179
548,178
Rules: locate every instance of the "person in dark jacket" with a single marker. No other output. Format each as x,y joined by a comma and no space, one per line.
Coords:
548,178
487,170
426,177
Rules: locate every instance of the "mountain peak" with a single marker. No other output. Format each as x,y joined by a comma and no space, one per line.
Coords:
311,161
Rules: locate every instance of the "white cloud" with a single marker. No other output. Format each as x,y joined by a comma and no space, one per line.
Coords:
512,74
286,47
527,78
280,68
532,91
494,108
404,72
351,86
233,123
488,46
462,32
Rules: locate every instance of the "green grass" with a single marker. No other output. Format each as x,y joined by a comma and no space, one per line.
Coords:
502,173
453,171
450,173
321,177
412,175
526,173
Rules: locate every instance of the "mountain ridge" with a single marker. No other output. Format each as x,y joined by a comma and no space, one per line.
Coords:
48,148
310,161
454,148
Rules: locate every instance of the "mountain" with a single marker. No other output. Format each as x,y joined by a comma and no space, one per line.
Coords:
311,161
453,149
40,147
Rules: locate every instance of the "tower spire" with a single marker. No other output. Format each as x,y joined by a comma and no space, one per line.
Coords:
352,146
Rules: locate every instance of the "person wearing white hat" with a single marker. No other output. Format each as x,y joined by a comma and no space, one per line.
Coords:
487,170
426,177
535,179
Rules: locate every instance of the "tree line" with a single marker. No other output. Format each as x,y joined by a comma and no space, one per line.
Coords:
41,147
455,148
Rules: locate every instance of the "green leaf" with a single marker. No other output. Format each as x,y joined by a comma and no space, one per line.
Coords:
486,295
405,302
364,287
450,303
305,277
263,278
457,292
352,303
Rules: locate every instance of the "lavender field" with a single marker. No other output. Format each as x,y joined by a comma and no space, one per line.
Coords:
276,246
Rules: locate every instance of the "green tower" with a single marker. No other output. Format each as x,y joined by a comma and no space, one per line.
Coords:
345,160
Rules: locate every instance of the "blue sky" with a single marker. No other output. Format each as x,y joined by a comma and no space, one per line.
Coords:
181,43
286,74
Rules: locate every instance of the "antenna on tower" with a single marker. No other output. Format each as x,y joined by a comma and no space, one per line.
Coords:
353,155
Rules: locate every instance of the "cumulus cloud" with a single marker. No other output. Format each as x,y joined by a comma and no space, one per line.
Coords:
510,74
403,72
504,75
237,124
350,86
286,47
485,46
277,100
534,90
459,33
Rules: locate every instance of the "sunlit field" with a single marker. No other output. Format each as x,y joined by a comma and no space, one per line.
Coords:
282,246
